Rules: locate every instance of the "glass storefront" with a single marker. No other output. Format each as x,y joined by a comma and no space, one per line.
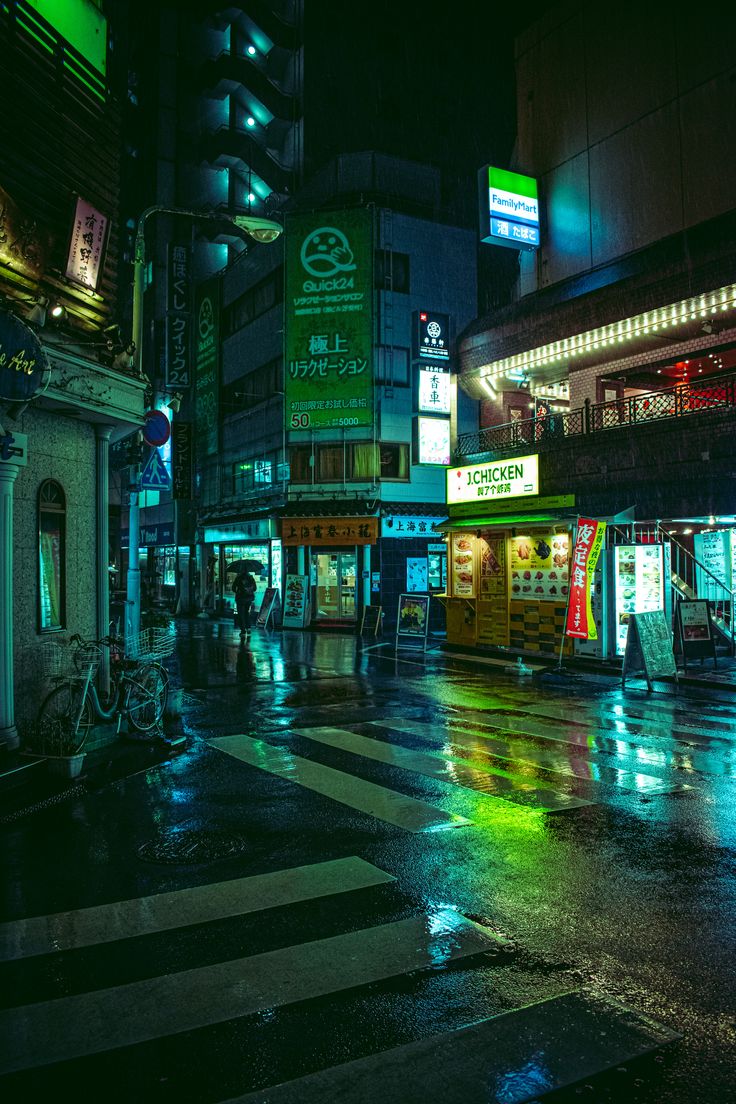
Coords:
334,582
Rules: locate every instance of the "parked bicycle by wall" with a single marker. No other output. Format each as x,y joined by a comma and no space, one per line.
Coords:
138,686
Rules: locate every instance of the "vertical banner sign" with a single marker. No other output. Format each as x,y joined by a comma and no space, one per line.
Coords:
177,365
207,366
588,543
329,320
87,246
182,459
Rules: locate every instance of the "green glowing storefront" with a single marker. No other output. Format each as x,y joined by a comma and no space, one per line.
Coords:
508,551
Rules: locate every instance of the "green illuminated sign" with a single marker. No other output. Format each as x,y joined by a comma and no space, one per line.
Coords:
329,320
81,23
207,367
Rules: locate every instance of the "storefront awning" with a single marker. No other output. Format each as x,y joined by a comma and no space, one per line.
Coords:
504,519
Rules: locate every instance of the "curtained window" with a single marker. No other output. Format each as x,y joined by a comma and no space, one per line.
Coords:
51,557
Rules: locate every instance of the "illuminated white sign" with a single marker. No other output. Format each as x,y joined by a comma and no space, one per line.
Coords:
87,246
509,208
492,481
433,439
434,389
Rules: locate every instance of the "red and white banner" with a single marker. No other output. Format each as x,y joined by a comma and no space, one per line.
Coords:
588,543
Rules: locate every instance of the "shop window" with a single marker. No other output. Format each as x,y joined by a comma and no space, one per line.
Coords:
300,464
394,459
392,271
392,365
364,461
51,557
330,463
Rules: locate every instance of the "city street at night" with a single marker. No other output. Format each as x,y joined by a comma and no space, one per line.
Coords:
380,875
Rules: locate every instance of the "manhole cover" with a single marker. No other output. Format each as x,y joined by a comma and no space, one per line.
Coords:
191,847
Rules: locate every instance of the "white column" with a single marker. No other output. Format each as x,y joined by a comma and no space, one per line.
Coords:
8,731
102,446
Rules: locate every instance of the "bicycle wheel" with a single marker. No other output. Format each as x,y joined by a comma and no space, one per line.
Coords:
147,693
62,704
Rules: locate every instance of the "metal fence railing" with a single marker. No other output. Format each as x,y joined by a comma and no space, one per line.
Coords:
642,409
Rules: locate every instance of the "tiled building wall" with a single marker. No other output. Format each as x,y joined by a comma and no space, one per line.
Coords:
63,450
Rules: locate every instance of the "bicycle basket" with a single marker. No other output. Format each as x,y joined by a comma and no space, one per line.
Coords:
151,644
59,660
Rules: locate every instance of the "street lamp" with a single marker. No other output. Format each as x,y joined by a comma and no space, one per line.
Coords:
260,230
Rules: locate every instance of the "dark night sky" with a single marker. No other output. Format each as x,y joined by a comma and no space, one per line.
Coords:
428,83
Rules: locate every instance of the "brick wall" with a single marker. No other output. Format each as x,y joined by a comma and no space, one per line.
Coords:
678,467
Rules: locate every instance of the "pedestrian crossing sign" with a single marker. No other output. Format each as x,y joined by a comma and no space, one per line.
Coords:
155,475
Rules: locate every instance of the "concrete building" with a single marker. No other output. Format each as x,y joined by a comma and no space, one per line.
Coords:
59,222
624,322
347,504
218,92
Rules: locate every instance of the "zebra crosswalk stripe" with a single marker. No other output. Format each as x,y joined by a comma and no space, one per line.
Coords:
90,1023
486,780
64,931
378,801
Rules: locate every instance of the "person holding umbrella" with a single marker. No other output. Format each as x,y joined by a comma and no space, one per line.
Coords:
244,589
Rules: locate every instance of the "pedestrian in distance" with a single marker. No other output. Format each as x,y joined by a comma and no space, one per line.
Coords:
244,589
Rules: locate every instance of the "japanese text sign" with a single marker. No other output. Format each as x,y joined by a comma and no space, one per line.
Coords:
329,530
178,369
496,479
182,458
87,246
588,543
434,389
329,320
508,208
207,367
433,336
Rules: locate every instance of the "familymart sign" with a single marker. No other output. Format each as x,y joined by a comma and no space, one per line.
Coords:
498,479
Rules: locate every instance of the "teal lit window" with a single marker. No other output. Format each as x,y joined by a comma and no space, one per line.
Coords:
51,557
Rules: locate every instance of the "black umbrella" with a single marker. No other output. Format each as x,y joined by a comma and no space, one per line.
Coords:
242,566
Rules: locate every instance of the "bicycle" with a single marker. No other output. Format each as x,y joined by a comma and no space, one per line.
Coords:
139,689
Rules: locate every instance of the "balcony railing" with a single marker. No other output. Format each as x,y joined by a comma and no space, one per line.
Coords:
672,402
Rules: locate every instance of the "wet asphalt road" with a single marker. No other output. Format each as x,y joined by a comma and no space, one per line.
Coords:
546,836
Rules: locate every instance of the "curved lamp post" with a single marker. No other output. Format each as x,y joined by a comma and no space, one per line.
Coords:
260,230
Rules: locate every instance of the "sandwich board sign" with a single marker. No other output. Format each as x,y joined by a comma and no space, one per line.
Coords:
649,647
155,476
695,631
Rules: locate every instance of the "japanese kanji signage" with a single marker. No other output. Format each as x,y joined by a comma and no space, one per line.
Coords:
401,525
182,458
588,543
432,336
329,531
496,479
207,366
329,320
434,389
178,368
87,246
509,208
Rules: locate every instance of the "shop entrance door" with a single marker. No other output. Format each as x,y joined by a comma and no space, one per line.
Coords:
334,590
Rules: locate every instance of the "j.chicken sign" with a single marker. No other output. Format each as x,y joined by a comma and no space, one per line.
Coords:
588,543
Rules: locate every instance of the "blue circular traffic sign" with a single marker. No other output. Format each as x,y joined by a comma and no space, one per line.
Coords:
156,428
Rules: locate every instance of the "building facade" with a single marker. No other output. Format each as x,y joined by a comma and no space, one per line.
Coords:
65,387
338,406
613,366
